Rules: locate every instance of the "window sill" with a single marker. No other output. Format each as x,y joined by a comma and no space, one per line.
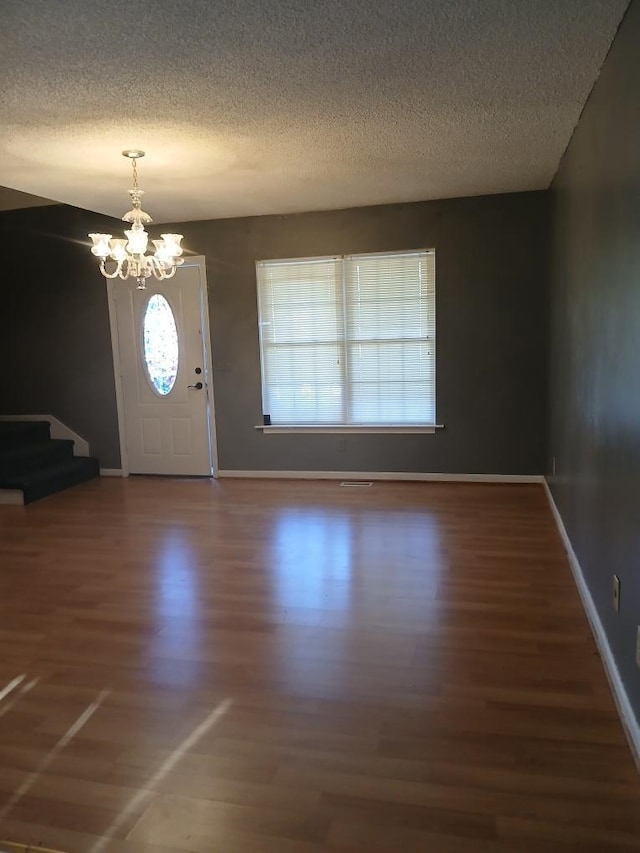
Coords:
377,429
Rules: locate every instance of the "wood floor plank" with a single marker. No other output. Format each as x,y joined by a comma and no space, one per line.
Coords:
291,667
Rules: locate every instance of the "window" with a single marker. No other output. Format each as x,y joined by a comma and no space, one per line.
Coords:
160,344
348,340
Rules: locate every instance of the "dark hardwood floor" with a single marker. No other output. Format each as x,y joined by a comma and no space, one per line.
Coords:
295,667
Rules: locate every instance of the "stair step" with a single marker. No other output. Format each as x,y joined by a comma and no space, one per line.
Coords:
30,457
53,478
18,433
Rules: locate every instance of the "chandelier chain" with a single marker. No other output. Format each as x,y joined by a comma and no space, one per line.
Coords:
128,258
134,162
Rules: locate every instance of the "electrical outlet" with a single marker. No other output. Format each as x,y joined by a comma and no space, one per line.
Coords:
638,646
616,593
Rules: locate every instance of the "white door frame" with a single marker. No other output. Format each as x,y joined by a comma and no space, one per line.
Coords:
192,261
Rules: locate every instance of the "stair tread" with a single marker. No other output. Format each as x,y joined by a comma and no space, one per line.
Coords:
33,463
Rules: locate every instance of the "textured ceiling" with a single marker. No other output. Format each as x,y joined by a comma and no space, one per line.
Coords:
272,106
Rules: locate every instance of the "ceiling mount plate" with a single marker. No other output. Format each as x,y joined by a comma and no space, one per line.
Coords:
133,153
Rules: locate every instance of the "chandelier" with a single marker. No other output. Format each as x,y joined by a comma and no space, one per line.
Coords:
128,258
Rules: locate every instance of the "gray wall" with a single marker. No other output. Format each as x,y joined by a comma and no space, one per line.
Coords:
492,308
491,329
55,344
595,355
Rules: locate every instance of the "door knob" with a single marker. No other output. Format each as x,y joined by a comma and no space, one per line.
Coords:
198,386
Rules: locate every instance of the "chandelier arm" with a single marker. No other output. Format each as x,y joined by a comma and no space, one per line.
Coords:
106,274
159,269
156,270
129,255
137,266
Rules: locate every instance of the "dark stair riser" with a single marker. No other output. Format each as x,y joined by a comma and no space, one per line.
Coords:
36,465
19,433
48,481
32,457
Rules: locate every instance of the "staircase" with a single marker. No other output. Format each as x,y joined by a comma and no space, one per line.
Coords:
33,465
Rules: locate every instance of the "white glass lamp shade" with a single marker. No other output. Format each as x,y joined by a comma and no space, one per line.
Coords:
172,243
138,239
165,252
161,252
119,250
100,248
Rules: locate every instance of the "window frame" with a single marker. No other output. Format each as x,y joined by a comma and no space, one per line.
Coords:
372,428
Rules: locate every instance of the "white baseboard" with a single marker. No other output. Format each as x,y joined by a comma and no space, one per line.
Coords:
112,472
384,475
630,723
11,497
58,430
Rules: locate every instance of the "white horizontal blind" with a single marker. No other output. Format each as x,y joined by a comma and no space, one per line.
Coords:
348,340
302,334
391,338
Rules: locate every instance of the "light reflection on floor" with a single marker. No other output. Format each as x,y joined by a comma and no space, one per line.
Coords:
312,566
317,570
50,757
150,826
151,829
177,610
322,565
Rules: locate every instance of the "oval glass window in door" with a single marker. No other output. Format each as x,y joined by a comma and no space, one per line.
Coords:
160,344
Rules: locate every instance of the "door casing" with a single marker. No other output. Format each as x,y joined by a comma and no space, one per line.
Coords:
192,261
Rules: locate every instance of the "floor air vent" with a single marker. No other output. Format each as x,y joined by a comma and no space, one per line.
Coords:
356,484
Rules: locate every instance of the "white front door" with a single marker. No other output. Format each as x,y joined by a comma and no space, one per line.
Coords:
165,388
